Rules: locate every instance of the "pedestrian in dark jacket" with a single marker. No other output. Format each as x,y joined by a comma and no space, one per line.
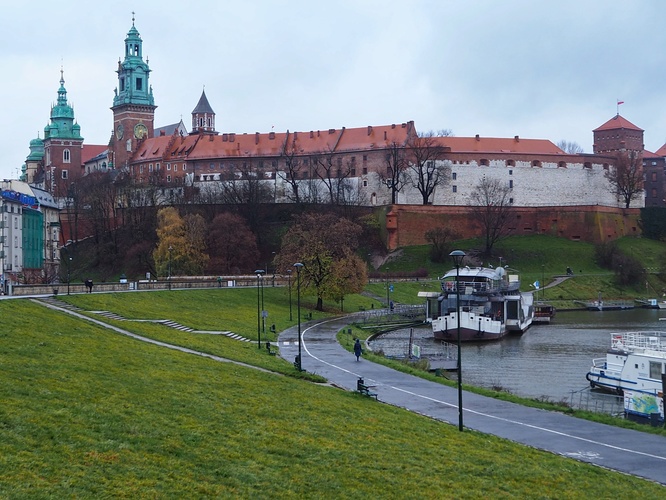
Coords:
358,350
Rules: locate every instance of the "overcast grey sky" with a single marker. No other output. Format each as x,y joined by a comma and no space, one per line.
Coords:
542,70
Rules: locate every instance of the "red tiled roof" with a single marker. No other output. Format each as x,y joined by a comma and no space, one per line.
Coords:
89,151
273,144
514,145
661,151
648,154
618,122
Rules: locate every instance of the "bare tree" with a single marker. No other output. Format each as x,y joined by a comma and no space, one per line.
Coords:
426,170
626,176
572,148
394,177
292,166
492,210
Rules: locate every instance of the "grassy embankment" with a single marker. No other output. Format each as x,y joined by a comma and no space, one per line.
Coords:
90,413
542,258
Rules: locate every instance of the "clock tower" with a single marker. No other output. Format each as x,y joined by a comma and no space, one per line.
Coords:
133,104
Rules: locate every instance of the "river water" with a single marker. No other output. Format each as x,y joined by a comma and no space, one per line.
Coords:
548,361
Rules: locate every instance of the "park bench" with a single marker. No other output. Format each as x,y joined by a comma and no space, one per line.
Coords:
364,389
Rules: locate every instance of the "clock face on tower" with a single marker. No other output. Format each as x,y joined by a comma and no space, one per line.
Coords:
120,130
140,131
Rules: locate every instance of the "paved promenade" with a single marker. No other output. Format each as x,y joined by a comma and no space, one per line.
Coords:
627,451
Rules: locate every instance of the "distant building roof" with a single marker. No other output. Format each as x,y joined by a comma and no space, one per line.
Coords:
92,151
514,145
170,129
617,122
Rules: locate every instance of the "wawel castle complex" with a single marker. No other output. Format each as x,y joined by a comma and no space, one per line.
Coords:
334,165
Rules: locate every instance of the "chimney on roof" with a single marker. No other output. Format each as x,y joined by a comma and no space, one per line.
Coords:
404,125
232,137
392,125
225,137
331,131
311,134
369,129
477,137
256,137
317,133
295,135
271,135
210,137
516,138
385,135
162,133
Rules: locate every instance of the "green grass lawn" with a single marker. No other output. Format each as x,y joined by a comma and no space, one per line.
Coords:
90,413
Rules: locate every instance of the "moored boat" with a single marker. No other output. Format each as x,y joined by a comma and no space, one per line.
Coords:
491,305
543,312
635,362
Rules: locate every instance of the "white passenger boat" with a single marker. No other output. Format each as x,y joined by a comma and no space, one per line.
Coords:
634,362
491,305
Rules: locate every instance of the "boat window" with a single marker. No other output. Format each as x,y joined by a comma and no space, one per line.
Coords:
655,370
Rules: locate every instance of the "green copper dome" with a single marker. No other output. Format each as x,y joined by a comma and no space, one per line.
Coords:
133,73
36,150
62,117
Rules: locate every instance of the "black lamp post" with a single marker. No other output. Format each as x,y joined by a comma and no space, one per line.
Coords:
259,273
458,256
289,281
169,277
542,282
69,273
388,299
298,267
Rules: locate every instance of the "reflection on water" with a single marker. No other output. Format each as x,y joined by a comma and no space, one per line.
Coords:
547,360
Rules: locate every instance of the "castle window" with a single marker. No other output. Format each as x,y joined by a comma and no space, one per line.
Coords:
175,167
587,164
168,178
511,184
365,184
139,83
274,163
168,166
157,166
654,192
511,163
562,164
66,156
64,174
455,188
510,172
536,163
150,167
365,158
510,201
654,176
484,162
454,176
122,84
365,171
184,167
353,171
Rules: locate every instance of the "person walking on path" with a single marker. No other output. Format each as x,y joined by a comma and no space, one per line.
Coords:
358,350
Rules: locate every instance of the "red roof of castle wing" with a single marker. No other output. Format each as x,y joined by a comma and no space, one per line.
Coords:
618,122
514,145
298,143
89,151
153,148
648,154
661,151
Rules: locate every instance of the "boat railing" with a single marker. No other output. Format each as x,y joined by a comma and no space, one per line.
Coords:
470,287
647,341
599,363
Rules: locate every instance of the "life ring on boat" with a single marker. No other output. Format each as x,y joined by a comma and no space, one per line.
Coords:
449,285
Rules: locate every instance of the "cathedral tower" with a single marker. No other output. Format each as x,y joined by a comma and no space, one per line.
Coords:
62,145
203,117
133,104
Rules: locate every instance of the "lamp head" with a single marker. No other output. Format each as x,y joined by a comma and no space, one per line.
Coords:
457,256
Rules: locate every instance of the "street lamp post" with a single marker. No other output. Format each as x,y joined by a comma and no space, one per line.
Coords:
388,299
298,267
458,256
259,273
263,310
169,276
289,281
542,282
69,273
